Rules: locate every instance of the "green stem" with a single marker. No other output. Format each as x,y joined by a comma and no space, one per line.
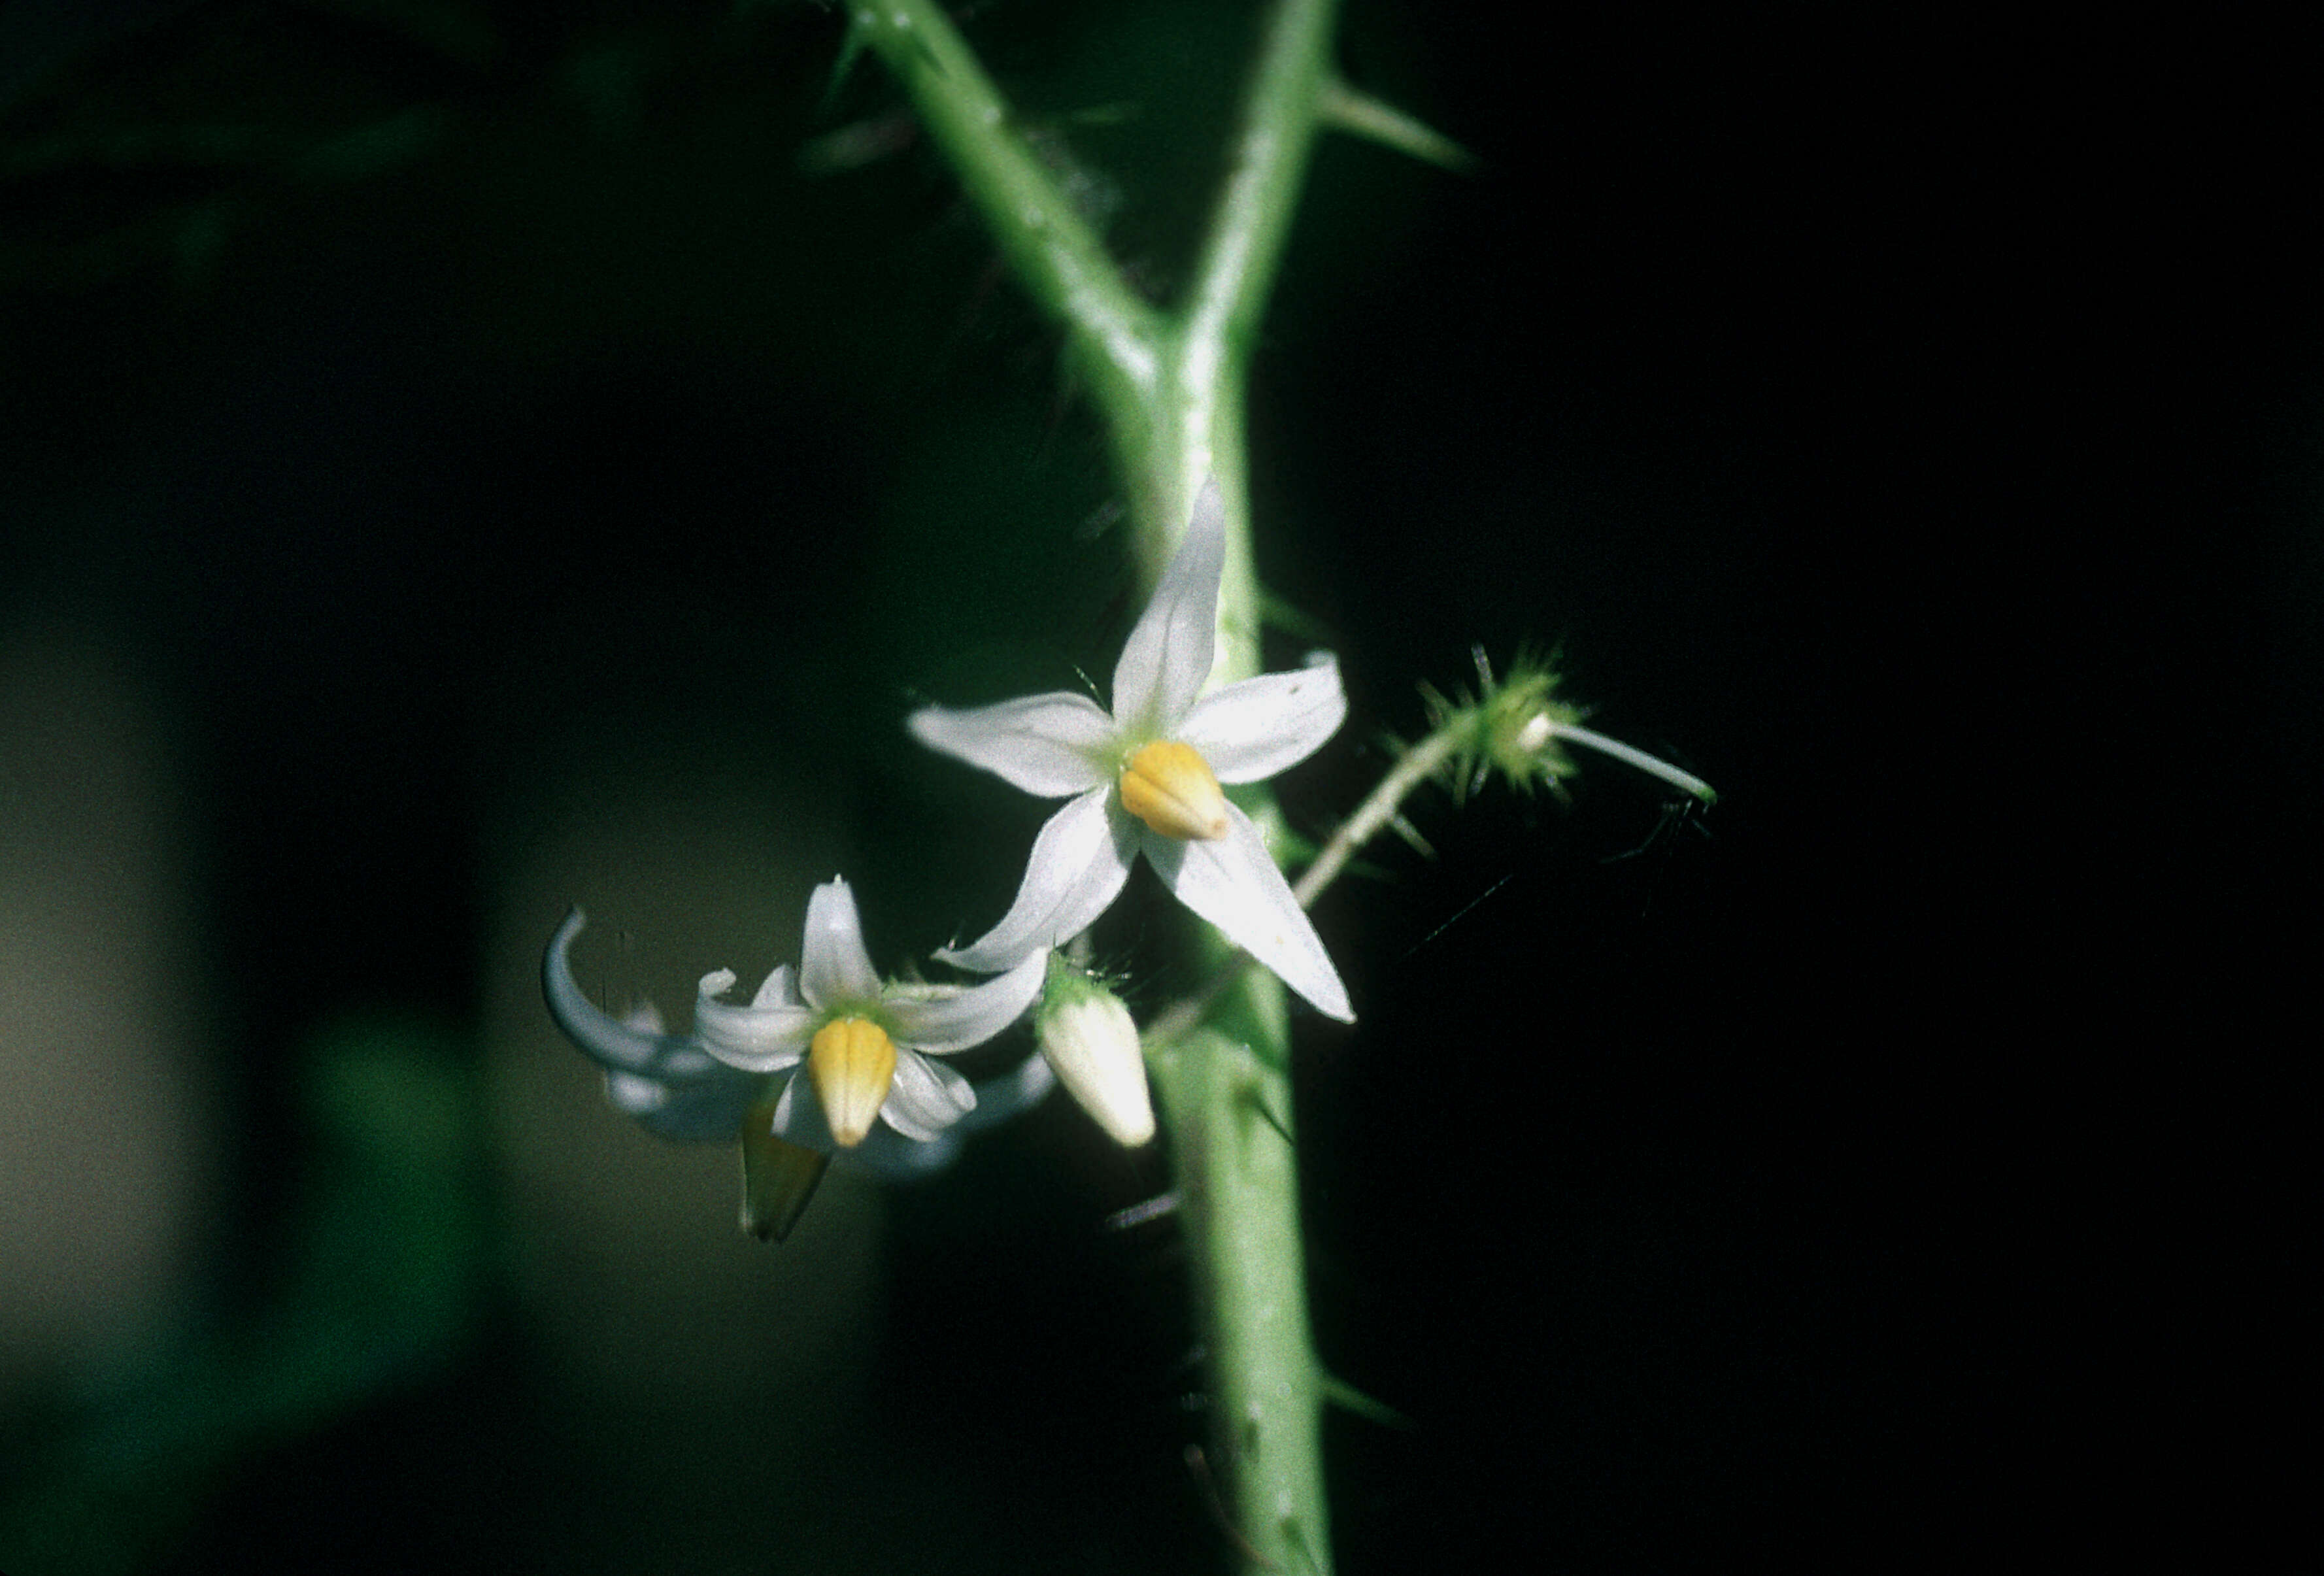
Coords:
1413,768
1227,1092
1268,163
1049,246
1227,1104
1171,388
1207,354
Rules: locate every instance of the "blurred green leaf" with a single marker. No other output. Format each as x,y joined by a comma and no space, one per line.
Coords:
386,1277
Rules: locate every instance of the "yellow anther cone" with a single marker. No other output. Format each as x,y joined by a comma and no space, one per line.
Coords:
853,1062
1171,788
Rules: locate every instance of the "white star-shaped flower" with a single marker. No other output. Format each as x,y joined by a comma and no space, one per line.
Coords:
865,1044
1145,780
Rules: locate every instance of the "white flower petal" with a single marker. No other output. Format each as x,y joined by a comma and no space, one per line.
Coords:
1079,862
634,1096
776,991
1254,729
1169,654
613,1044
834,967
1233,882
609,1042
887,1152
943,1025
1047,744
757,1040
668,1082
926,1098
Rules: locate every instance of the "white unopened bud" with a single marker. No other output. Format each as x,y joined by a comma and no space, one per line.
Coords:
1092,1042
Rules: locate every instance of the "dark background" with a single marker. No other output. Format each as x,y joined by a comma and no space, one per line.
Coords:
1909,426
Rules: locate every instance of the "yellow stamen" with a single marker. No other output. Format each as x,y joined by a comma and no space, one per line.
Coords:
1170,787
853,1062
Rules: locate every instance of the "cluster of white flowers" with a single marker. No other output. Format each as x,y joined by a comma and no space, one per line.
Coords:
1144,779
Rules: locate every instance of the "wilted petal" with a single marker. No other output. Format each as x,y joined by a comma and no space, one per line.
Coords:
1233,882
943,1025
757,1040
1169,654
1078,864
1254,729
927,1097
886,1153
707,1109
1008,1094
1047,744
834,967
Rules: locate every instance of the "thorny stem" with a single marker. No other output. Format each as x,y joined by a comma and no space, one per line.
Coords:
1226,1092
1049,246
1416,766
1170,385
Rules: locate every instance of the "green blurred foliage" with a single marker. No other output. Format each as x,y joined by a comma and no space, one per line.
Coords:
383,1278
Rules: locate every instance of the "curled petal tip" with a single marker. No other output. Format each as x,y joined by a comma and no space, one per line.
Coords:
613,1044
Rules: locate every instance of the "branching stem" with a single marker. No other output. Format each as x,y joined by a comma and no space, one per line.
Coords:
1415,767
1170,385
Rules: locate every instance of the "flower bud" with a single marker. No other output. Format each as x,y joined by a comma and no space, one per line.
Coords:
1090,1039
